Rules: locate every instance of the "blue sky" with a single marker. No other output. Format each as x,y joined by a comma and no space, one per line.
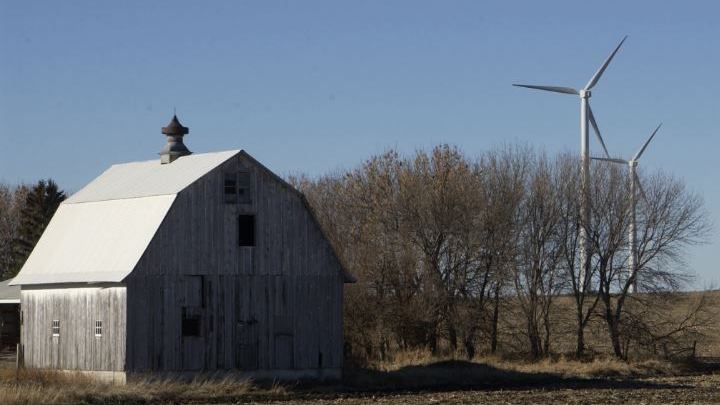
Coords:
313,86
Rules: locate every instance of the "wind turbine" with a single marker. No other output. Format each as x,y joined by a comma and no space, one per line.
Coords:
586,116
634,185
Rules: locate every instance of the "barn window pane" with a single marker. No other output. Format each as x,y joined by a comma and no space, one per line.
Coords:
56,327
230,188
246,230
98,328
244,188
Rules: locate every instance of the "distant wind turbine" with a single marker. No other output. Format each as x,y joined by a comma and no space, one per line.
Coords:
586,116
634,185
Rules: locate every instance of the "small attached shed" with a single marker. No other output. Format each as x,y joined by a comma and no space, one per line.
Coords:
185,264
9,315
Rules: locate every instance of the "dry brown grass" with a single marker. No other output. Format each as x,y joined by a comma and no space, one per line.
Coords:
561,367
54,388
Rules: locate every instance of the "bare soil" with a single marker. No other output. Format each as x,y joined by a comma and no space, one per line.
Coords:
699,389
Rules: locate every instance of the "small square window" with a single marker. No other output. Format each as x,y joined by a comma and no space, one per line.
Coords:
56,327
246,230
98,329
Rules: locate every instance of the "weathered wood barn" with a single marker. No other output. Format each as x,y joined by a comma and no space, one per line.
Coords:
188,263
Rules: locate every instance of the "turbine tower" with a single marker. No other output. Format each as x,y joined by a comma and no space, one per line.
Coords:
634,186
586,116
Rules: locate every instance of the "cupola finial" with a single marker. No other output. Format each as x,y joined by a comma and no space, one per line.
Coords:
174,147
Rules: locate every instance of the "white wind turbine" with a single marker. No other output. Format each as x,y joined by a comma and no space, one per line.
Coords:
585,116
634,186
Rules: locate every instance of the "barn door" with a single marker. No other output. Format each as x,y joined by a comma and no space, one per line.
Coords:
246,356
192,331
283,324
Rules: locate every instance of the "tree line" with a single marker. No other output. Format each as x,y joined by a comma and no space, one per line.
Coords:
25,211
468,255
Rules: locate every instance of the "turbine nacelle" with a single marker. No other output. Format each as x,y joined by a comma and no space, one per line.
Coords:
633,163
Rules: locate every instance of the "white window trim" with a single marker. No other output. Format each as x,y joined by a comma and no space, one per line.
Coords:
98,328
55,327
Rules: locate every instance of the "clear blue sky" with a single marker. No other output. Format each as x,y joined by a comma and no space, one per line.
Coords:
313,86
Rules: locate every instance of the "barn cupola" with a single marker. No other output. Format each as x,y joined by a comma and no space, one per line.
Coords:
174,147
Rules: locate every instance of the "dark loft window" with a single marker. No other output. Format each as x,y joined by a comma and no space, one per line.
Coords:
246,230
190,324
230,188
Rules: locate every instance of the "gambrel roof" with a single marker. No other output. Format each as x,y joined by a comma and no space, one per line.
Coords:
99,234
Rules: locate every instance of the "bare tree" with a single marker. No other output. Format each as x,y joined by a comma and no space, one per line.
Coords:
569,200
670,219
504,172
536,276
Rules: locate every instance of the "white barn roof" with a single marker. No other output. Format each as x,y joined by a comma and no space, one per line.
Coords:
100,233
149,178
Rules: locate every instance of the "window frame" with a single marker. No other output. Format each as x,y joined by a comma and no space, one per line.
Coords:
230,188
244,187
55,328
98,328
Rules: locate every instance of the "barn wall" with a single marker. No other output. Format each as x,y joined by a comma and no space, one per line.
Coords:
77,309
277,305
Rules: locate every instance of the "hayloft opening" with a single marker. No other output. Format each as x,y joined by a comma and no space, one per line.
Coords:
246,230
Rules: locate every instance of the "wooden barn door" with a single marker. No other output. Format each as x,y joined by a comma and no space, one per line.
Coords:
283,324
193,333
246,357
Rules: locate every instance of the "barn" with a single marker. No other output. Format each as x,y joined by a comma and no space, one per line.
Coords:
185,264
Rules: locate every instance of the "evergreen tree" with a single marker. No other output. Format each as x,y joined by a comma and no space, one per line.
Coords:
39,206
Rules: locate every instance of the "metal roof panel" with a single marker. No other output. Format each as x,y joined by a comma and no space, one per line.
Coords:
98,241
149,178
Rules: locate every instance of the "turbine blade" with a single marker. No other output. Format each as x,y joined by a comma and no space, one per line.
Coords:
597,131
593,81
642,150
620,161
640,187
565,90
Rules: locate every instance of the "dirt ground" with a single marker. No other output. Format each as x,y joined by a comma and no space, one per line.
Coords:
704,389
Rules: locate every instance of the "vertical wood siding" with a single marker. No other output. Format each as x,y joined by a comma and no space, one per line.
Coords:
277,305
77,309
